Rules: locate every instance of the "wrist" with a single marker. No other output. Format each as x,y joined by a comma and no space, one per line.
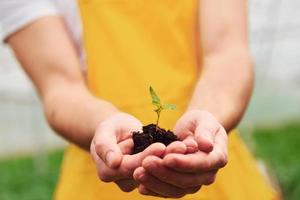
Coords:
99,110
74,113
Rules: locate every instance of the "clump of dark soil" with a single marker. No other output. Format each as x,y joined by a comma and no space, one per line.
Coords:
150,135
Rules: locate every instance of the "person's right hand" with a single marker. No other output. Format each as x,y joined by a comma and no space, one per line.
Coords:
111,150
184,172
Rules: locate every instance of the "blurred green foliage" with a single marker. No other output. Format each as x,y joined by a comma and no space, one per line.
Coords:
30,178
280,148
34,178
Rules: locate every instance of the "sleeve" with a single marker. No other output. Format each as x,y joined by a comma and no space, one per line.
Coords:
15,14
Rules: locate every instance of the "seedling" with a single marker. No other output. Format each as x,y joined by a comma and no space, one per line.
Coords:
152,133
159,106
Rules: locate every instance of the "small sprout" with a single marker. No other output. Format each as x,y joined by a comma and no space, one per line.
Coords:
159,107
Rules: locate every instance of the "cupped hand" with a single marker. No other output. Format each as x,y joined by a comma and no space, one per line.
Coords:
111,150
184,171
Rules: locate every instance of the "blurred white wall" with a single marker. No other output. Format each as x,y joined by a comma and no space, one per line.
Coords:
275,43
22,125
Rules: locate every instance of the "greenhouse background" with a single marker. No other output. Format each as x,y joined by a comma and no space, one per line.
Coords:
274,36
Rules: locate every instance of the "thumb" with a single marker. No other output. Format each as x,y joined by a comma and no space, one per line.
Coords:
106,147
109,133
205,138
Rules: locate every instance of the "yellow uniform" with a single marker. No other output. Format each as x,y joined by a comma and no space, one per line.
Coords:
130,45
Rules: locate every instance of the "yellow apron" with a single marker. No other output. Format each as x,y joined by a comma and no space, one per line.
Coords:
130,45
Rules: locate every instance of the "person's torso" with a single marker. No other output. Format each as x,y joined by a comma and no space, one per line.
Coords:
131,45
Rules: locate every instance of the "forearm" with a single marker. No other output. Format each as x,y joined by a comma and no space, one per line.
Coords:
225,86
54,69
226,81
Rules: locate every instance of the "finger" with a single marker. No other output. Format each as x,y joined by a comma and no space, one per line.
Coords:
155,167
221,146
198,162
221,140
107,174
126,146
144,191
131,162
128,165
106,146
110,132
183,128
197,124
153,184
94,155
127,185
191,144
104,173
204,134
176,147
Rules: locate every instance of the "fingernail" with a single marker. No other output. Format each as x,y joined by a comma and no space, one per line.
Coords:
109,158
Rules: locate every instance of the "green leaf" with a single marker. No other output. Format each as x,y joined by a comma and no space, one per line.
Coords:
155,99
169,106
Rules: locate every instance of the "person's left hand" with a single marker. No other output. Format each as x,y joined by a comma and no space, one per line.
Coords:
111,150
183,170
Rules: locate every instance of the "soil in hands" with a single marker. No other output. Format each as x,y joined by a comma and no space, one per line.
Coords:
150,135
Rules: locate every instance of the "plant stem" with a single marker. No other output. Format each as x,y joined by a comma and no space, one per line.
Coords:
158,111
158,115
